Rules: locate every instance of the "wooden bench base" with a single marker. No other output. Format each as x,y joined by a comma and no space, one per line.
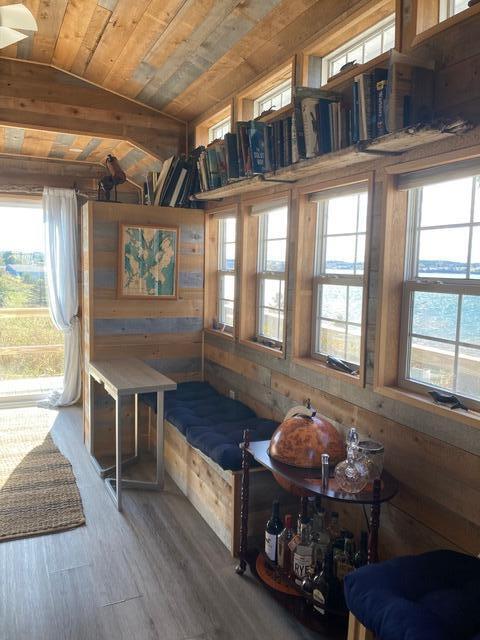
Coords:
215,493
356,630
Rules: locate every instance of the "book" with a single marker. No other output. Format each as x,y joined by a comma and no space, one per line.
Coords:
310,126
380,120
256,138
162,179
231,154
298,125
176,192
244,149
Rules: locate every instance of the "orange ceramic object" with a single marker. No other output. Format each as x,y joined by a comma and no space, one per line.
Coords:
300,441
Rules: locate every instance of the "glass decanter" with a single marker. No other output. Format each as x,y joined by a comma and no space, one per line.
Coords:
352,474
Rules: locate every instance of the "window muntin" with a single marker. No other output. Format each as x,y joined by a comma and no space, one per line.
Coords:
272,274
368,45
449,8
218,130
441,299
338,281
226,273
276,98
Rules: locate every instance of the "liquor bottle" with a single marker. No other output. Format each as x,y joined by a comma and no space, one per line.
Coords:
333,527
307,583
303,517
344,563
323,587
320,537
302,556
361,557
284,552
273,530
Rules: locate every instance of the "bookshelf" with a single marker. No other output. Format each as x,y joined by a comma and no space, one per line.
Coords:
390,144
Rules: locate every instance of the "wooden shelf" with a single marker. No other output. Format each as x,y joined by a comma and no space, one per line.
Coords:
394,143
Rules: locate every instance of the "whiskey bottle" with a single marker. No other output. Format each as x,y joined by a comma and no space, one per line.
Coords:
284,552
303,517
323,587
273,530
320,537
333,529
345,560
302,556
361,557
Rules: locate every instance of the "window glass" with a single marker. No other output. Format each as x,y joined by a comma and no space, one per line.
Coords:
276,98
226,272
218,131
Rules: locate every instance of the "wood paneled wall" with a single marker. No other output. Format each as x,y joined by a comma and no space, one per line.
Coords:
167,334
435,458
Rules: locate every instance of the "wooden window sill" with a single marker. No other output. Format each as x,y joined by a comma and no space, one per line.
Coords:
470,418
221,334
322,368
276,353
432,32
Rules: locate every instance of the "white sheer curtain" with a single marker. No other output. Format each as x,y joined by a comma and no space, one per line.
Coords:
61,265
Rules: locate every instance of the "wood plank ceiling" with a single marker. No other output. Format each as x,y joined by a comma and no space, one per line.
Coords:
180,56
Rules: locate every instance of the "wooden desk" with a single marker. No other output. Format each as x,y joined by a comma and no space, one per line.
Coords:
121,379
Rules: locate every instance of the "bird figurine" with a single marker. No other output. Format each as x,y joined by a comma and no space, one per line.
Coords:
447,398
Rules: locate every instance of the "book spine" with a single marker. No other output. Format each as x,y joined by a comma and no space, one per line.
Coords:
381,123
355,114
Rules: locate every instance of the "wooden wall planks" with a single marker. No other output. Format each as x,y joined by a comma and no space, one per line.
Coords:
165,333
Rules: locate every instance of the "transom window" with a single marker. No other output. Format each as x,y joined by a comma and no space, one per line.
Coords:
226,273
218,131
272,274
368,45
338,283
449,8
276,98
441,298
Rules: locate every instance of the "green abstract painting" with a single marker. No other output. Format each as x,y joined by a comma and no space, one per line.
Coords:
147,262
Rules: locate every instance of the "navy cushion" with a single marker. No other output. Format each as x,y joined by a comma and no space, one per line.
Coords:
185,392
433,596
220,442
212,411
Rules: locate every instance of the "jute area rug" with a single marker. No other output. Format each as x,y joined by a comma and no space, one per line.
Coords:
38,492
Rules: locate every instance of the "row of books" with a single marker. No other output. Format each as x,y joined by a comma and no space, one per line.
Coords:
174,184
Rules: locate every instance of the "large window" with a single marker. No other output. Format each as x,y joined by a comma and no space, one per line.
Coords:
218,130
339,273
226,273
449,8
368,45
441,299
278,97
272,273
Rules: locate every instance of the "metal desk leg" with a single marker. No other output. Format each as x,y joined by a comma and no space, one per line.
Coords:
374,523
118,451
91,414
160,462
136,426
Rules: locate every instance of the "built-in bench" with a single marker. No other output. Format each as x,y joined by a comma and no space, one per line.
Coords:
203,431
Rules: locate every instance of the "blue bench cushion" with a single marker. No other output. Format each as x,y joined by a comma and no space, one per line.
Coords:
433,596
220,442
208,412
185,392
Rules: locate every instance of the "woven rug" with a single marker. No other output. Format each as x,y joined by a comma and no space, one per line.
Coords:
38,493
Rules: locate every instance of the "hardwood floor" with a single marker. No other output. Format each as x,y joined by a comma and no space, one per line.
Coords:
156,571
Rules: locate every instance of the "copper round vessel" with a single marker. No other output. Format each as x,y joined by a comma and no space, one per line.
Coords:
300,441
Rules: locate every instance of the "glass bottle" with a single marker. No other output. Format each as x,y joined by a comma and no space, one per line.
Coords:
284,552
344,562
302,556
303,517
323,587
272,531
320,537
361,557
333,528
352,474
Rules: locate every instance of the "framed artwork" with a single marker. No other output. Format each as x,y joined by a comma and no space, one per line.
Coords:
147,261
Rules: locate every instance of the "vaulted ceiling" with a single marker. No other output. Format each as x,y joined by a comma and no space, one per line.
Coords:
180,56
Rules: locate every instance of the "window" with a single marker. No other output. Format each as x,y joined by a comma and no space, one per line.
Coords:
218,131
276,98
339,273
271,274
440,339
226,273
368,45
449,8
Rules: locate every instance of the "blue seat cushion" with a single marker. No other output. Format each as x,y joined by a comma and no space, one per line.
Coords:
221,441
185,392
432,596
208,412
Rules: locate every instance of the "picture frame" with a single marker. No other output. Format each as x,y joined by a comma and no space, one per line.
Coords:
147,261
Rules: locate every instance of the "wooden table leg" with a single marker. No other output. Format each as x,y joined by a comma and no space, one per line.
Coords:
118,450
374,523
160,460
242,564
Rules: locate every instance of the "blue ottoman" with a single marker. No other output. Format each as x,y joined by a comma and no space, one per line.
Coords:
433,596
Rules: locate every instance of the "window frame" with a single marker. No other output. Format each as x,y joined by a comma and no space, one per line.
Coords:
380,27
413,283
263,274
273,92
346,280
221,242
223,124
446,9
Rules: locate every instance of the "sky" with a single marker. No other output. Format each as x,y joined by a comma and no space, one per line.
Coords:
21,229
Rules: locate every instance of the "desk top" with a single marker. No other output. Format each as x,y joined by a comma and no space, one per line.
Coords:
129,375
310,480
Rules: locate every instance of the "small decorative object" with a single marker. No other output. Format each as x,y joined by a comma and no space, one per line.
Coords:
373,452
325,470
447,398
147,261
301,440
116,175
352,475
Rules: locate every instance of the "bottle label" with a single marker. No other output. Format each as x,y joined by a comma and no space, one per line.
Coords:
318,601
271,546
301,563
292,545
